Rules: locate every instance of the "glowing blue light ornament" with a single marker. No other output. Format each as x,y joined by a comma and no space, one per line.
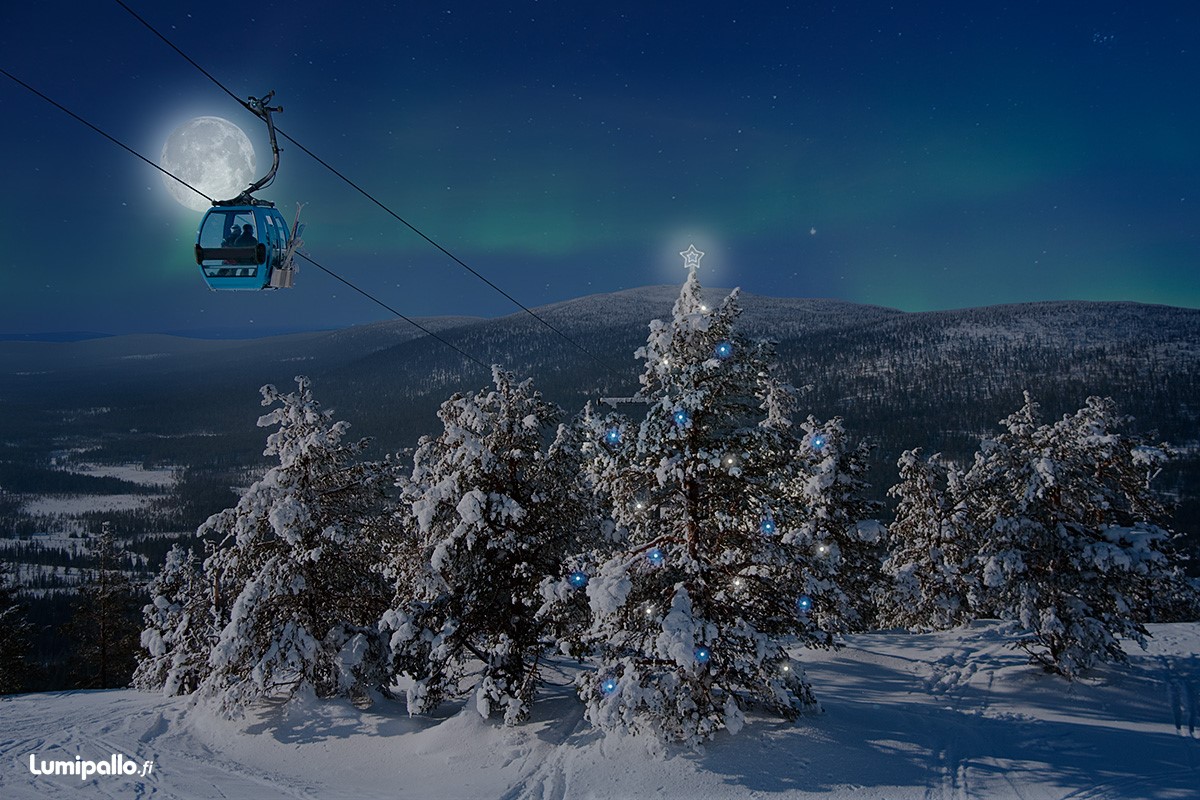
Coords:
613,436
804,604
578,579
818,441
724,349
702,655
655,557
680,416
608,686
767,526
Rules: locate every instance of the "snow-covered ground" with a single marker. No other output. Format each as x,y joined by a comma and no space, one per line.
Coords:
58,540
44,580
74,504
134,473
950,715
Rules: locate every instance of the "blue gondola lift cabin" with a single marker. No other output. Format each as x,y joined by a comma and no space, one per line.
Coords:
245,243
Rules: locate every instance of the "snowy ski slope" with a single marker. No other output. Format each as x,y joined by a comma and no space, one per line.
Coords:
948,716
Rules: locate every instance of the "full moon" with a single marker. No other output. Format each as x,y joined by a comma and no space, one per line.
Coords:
213,155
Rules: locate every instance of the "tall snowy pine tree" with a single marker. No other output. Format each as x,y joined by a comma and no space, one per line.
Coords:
15,635
297,584
839,519
1071,537
493,512
179,628
725,555
104,623
930,547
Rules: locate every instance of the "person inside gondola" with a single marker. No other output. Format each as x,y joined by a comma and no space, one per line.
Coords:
247,238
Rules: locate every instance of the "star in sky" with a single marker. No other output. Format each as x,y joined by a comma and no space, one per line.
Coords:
691,257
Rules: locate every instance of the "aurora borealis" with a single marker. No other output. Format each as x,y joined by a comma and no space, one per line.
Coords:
944,156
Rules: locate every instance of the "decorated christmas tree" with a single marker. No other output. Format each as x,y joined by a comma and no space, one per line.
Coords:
729,550
839,520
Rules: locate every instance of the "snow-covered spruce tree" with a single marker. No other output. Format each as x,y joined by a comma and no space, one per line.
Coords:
296,582
15,635
493,511
564,612
1071,535
836,516
179,632
9,506
103,627
930,543
726,554
1175,596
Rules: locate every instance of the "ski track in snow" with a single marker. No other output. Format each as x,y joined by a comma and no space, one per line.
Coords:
125,723
544,776
1180,679
944,716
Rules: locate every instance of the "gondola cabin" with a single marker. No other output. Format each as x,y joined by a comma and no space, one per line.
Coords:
244,247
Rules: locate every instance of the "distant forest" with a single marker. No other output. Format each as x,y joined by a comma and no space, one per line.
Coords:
938,381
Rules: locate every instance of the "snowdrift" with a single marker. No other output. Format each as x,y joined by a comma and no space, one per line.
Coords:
949,715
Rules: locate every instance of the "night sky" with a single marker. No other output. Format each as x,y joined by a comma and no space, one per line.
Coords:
919,156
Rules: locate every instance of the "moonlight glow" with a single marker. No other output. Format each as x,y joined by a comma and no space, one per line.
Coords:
211,154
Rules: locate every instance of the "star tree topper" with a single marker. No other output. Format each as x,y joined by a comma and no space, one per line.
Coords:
691,257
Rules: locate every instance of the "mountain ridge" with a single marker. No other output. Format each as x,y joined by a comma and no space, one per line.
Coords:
933,379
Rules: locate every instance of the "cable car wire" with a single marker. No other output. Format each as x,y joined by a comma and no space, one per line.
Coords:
365,293
169,174
115,141
369,196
